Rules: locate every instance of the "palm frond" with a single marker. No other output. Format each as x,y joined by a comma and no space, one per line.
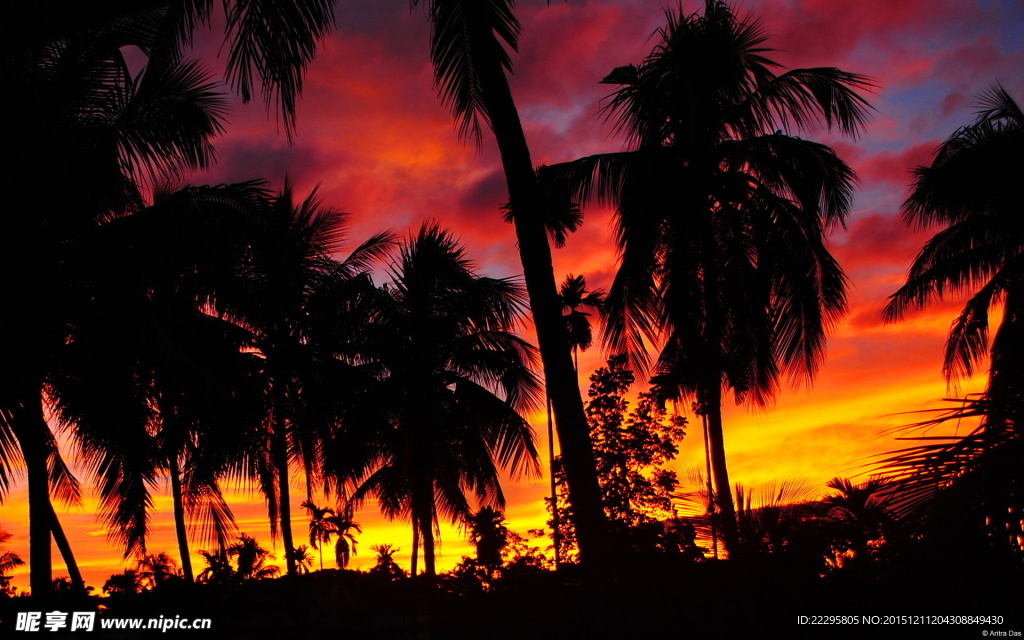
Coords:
468,37
272,43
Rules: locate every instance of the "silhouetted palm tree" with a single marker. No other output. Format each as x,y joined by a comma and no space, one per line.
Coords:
386,565
576,298
969,190
126,582
8,559
768,518
721,215
324,523
156,570
980,248
86,123
294,298
268,46
861,510
303,560
468,51
96,129
218,567
164,386
452,384
250,560
487,531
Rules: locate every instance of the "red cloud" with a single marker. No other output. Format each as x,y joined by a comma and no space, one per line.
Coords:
895,167
877,241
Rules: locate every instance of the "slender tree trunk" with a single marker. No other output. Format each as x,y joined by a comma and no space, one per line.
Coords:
179,520
711,491
535,253
64,547
415,546
280,445
28,427
428,547
556,533
711,399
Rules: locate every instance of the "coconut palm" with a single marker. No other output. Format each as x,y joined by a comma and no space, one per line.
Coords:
980,248
157,569
452,384
88,124
218,567
163,387
968,191
721,214
268,47
469,42
294,297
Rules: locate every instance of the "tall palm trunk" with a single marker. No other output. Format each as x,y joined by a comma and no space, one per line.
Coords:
279,445
423,524
77,581
556,532
711,400
179,520
28,425
428,548
32,432
710,489
535,254
415,546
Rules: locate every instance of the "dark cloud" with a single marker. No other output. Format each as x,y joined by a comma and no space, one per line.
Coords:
486,196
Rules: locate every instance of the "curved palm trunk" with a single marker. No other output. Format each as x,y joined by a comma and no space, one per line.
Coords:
711,400
179,521
27,427
535,255
64,547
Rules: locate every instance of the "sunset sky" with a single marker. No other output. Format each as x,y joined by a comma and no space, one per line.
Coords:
372,134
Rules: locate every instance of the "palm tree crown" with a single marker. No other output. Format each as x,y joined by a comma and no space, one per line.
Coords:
295,298
453,383
86,123
967,483
575,298
969,189
721,213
